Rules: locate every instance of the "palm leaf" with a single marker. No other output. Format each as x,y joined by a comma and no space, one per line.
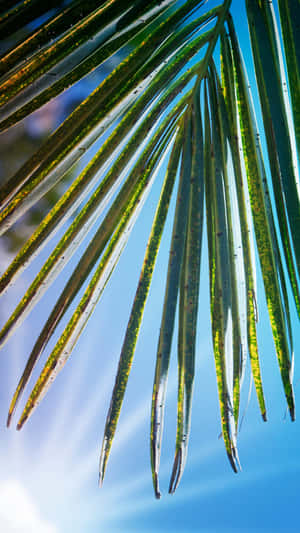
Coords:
263,224
60,22
135,319
92,118
107,19
275,109
189,296
170,301
64,346
221,280
112,225
289,14
147,110
15,18
245,220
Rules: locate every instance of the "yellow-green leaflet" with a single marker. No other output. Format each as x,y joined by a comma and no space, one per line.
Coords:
69,337
93,251
40,37
218,108
189,296
278,126
289,18
246,226
66,246
136,315
99,19
222,292
265,244
134,125
170,302
14,17
172,95
108,48
90,120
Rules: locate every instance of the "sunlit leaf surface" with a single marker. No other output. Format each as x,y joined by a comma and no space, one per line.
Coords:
177,102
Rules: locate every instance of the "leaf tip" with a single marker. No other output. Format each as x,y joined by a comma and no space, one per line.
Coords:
292,413
21,422
102,464
156,486
8,421
232,462
176,472
100,479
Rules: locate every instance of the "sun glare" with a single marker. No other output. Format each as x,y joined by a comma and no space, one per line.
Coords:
18,511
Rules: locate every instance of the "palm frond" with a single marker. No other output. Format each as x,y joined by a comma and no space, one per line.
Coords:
167,100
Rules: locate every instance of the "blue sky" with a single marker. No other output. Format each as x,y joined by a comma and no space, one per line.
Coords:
48,474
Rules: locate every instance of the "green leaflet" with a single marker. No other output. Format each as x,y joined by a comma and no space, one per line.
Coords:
189,296
217,329
136,315
136,58
170,301
84,68
184,390
57,24
249,260
67,144
222,289
74,68
270,76
96,58
89,258
70,199
226,94
99,19
22,14
87,216
200,66
150,106
261,218
219,110
289,17
68,339
86,180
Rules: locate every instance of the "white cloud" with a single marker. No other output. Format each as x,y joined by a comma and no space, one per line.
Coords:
18,511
